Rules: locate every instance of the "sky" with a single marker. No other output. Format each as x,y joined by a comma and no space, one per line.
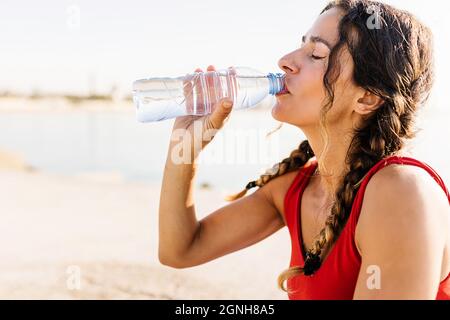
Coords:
70,46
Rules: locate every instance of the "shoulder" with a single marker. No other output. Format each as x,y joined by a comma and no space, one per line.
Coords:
403,230
403,186
277,188
404,200
403,182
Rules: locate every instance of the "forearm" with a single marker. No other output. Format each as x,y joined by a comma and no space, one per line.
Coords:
177,221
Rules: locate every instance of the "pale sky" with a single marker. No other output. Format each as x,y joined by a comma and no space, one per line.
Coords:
69,45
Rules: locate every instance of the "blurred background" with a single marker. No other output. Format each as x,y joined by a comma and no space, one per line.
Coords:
80,177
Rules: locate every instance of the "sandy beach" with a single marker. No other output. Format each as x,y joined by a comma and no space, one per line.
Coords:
80,175
106,228
90,218
71,207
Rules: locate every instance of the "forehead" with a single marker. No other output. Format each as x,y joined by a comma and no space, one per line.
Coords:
326,26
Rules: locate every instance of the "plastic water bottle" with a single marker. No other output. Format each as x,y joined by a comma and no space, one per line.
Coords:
196,93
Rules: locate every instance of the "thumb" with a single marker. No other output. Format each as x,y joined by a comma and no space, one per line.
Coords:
220,112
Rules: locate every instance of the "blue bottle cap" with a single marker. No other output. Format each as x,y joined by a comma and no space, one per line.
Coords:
276,82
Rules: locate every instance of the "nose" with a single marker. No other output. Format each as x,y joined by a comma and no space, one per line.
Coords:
286,65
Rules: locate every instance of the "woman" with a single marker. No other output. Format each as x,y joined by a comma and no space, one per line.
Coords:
366,221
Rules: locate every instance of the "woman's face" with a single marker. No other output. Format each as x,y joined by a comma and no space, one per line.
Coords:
305,69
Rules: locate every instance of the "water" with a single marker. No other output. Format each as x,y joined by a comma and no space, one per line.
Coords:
110,141
90,142
158,99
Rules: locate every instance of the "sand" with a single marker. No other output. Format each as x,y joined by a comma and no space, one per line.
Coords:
96,237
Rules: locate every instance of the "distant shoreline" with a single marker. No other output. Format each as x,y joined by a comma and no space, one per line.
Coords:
57,104
13,103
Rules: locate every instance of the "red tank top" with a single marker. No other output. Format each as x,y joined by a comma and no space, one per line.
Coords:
336,279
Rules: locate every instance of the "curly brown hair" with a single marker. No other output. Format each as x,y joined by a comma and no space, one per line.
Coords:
393,61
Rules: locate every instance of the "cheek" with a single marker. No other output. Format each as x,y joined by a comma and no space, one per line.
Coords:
345,93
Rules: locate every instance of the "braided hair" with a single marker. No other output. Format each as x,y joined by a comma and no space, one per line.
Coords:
394,62
296,159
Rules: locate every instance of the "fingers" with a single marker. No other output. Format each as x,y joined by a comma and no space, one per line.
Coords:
212,83
217,91
209,68
213,91
231,82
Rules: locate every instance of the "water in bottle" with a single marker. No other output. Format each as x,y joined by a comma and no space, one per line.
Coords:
161,98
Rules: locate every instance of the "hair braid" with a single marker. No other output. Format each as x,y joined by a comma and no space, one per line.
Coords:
296,159
403,82
365,150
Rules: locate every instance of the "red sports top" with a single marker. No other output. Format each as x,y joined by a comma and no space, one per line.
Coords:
336,279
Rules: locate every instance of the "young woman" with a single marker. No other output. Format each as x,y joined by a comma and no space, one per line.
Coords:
366,220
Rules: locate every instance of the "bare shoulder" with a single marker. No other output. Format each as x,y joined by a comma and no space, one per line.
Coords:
405,185
403,199
403,230
277,188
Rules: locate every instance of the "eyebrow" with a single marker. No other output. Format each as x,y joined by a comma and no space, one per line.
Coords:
317,39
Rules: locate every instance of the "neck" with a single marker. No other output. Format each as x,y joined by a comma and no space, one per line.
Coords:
331,161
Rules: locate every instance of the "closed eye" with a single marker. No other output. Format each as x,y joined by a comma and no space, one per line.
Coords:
317,58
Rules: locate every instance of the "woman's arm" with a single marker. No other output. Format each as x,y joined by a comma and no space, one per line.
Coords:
401,234
177,221
185,242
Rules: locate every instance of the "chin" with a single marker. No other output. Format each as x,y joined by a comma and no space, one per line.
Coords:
278,112
286,117
297,115
281,113
273,112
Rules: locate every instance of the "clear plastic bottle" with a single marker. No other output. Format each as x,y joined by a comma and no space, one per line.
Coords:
196,93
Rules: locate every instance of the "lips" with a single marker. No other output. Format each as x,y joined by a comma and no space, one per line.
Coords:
285,90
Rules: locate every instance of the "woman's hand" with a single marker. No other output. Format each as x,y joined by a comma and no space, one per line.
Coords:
202,129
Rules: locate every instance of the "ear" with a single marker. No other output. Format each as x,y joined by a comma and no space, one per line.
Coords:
368,103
